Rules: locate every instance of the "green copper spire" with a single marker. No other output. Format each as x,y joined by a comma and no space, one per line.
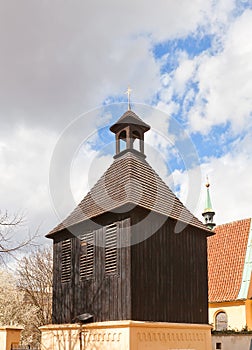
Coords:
208,212
208,204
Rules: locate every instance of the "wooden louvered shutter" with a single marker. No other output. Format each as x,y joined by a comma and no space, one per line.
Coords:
111,237
66,248
87,255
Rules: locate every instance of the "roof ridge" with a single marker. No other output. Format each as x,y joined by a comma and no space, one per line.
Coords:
129,179
233,222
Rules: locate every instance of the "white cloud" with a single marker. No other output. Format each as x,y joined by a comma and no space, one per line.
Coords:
225,82
182,75
230,188
221,15
59,59
222,73
24,164
87,167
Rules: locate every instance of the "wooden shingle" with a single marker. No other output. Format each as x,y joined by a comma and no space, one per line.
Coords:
130,179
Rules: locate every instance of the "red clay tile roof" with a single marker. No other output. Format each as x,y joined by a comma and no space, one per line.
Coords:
226,257
130,179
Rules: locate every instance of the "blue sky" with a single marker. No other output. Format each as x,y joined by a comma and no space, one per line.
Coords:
189,67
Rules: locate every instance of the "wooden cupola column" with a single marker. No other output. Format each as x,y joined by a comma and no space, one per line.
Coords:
129,134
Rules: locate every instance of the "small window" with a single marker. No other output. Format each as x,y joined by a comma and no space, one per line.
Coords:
218,346
87,255
66,248
111,250
221,322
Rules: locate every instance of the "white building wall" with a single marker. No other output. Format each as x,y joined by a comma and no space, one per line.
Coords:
236,315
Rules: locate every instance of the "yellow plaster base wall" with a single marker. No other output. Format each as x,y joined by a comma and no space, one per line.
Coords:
248,304
9,336
126,335
236,314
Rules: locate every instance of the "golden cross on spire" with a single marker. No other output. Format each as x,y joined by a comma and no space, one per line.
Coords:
207,182
128,92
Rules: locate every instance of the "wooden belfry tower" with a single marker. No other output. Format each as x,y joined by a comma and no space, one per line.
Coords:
117,256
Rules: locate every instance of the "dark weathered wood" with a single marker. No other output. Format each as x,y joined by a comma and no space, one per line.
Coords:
105,292
163,278
169,275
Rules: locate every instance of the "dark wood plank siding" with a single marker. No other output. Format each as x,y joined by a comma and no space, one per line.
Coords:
62,291
169,274
106,295
163,278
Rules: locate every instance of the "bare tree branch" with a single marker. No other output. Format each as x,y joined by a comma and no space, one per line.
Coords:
9,226
10,220
35,280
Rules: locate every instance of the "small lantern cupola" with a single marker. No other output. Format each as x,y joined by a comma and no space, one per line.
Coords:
208,212
129,132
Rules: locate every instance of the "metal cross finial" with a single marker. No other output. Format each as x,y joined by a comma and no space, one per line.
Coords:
128,92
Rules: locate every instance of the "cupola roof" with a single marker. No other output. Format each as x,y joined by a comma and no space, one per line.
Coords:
129,117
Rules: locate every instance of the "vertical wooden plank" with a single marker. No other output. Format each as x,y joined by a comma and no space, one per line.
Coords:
167,270
118,311
101,283
56,283
126,269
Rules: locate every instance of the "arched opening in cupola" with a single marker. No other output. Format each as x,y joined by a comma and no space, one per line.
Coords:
122,141
136,141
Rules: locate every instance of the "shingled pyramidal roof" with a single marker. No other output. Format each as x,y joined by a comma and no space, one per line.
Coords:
129,180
